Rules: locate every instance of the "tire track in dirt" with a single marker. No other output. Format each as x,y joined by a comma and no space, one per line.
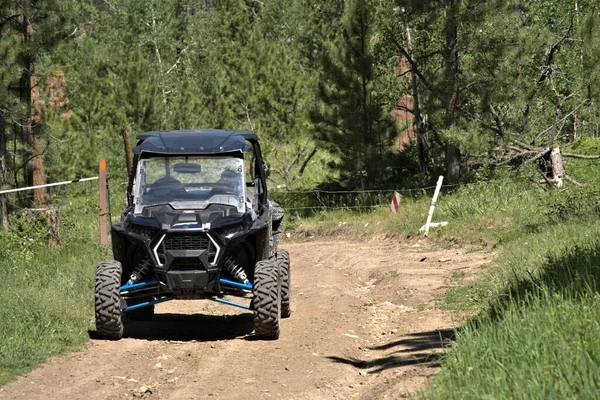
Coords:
363,325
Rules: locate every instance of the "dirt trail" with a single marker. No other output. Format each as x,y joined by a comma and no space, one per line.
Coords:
363,325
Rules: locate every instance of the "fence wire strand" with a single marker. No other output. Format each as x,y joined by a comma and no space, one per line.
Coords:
299,202
306,202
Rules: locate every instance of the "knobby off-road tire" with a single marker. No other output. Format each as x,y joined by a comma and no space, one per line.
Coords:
109,321
283,260
267,300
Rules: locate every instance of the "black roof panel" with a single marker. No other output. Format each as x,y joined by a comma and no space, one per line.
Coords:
200,141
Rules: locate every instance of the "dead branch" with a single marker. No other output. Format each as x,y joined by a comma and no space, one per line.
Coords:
521,144
286,172
404,73
546,70
7,20
546,180
509,158
581,156
305,163
247,110
567,177
564,119
413,64
429,55
537,156
497,120
404,108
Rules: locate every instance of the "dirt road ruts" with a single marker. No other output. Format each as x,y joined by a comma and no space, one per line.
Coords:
364,325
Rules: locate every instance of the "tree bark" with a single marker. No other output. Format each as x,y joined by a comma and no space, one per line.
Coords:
558,170
305,163
451,61
54,238
30,96
127,145
37,163
3,172
161,72
417,125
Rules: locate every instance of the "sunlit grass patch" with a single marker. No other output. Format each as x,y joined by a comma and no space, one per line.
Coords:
46,293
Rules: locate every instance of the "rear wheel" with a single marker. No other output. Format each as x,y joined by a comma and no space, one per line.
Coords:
109,321
267,299
283,260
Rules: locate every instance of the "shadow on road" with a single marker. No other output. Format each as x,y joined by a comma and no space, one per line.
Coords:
185,327
420,341
415,348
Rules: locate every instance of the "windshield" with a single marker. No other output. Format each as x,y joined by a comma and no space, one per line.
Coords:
191,182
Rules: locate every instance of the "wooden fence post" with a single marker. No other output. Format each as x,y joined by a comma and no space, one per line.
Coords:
103,211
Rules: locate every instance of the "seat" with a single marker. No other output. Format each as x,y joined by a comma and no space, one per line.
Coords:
166,186
228,183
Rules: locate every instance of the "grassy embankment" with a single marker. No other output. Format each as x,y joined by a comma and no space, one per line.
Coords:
534,314
46,293
536,334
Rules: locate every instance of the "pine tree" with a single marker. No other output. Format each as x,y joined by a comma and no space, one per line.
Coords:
9,73
41,26
351,120
591,56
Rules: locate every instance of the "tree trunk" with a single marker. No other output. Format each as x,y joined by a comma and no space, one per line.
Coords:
452,162
451,60
127,145
558,170
3,172
417,125
37,163
30,96
54,238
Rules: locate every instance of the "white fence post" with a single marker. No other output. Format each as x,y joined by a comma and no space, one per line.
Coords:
432,207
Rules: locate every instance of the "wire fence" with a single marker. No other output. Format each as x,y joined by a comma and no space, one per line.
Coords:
308,202
83,195
58,196
68,216
304,203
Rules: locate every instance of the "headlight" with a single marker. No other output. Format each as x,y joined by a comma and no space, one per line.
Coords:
231,231
142,230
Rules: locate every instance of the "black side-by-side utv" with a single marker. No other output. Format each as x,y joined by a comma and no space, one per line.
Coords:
198,225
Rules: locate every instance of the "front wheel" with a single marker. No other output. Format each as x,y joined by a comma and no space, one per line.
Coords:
107,300
267,299
283,260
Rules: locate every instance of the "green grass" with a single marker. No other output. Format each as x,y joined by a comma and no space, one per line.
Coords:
47,305
539,338
46,293
536,334
542,347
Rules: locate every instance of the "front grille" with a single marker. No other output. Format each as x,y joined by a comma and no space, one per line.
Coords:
184,249
187,241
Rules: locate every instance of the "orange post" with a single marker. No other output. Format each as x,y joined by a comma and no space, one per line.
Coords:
103,203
